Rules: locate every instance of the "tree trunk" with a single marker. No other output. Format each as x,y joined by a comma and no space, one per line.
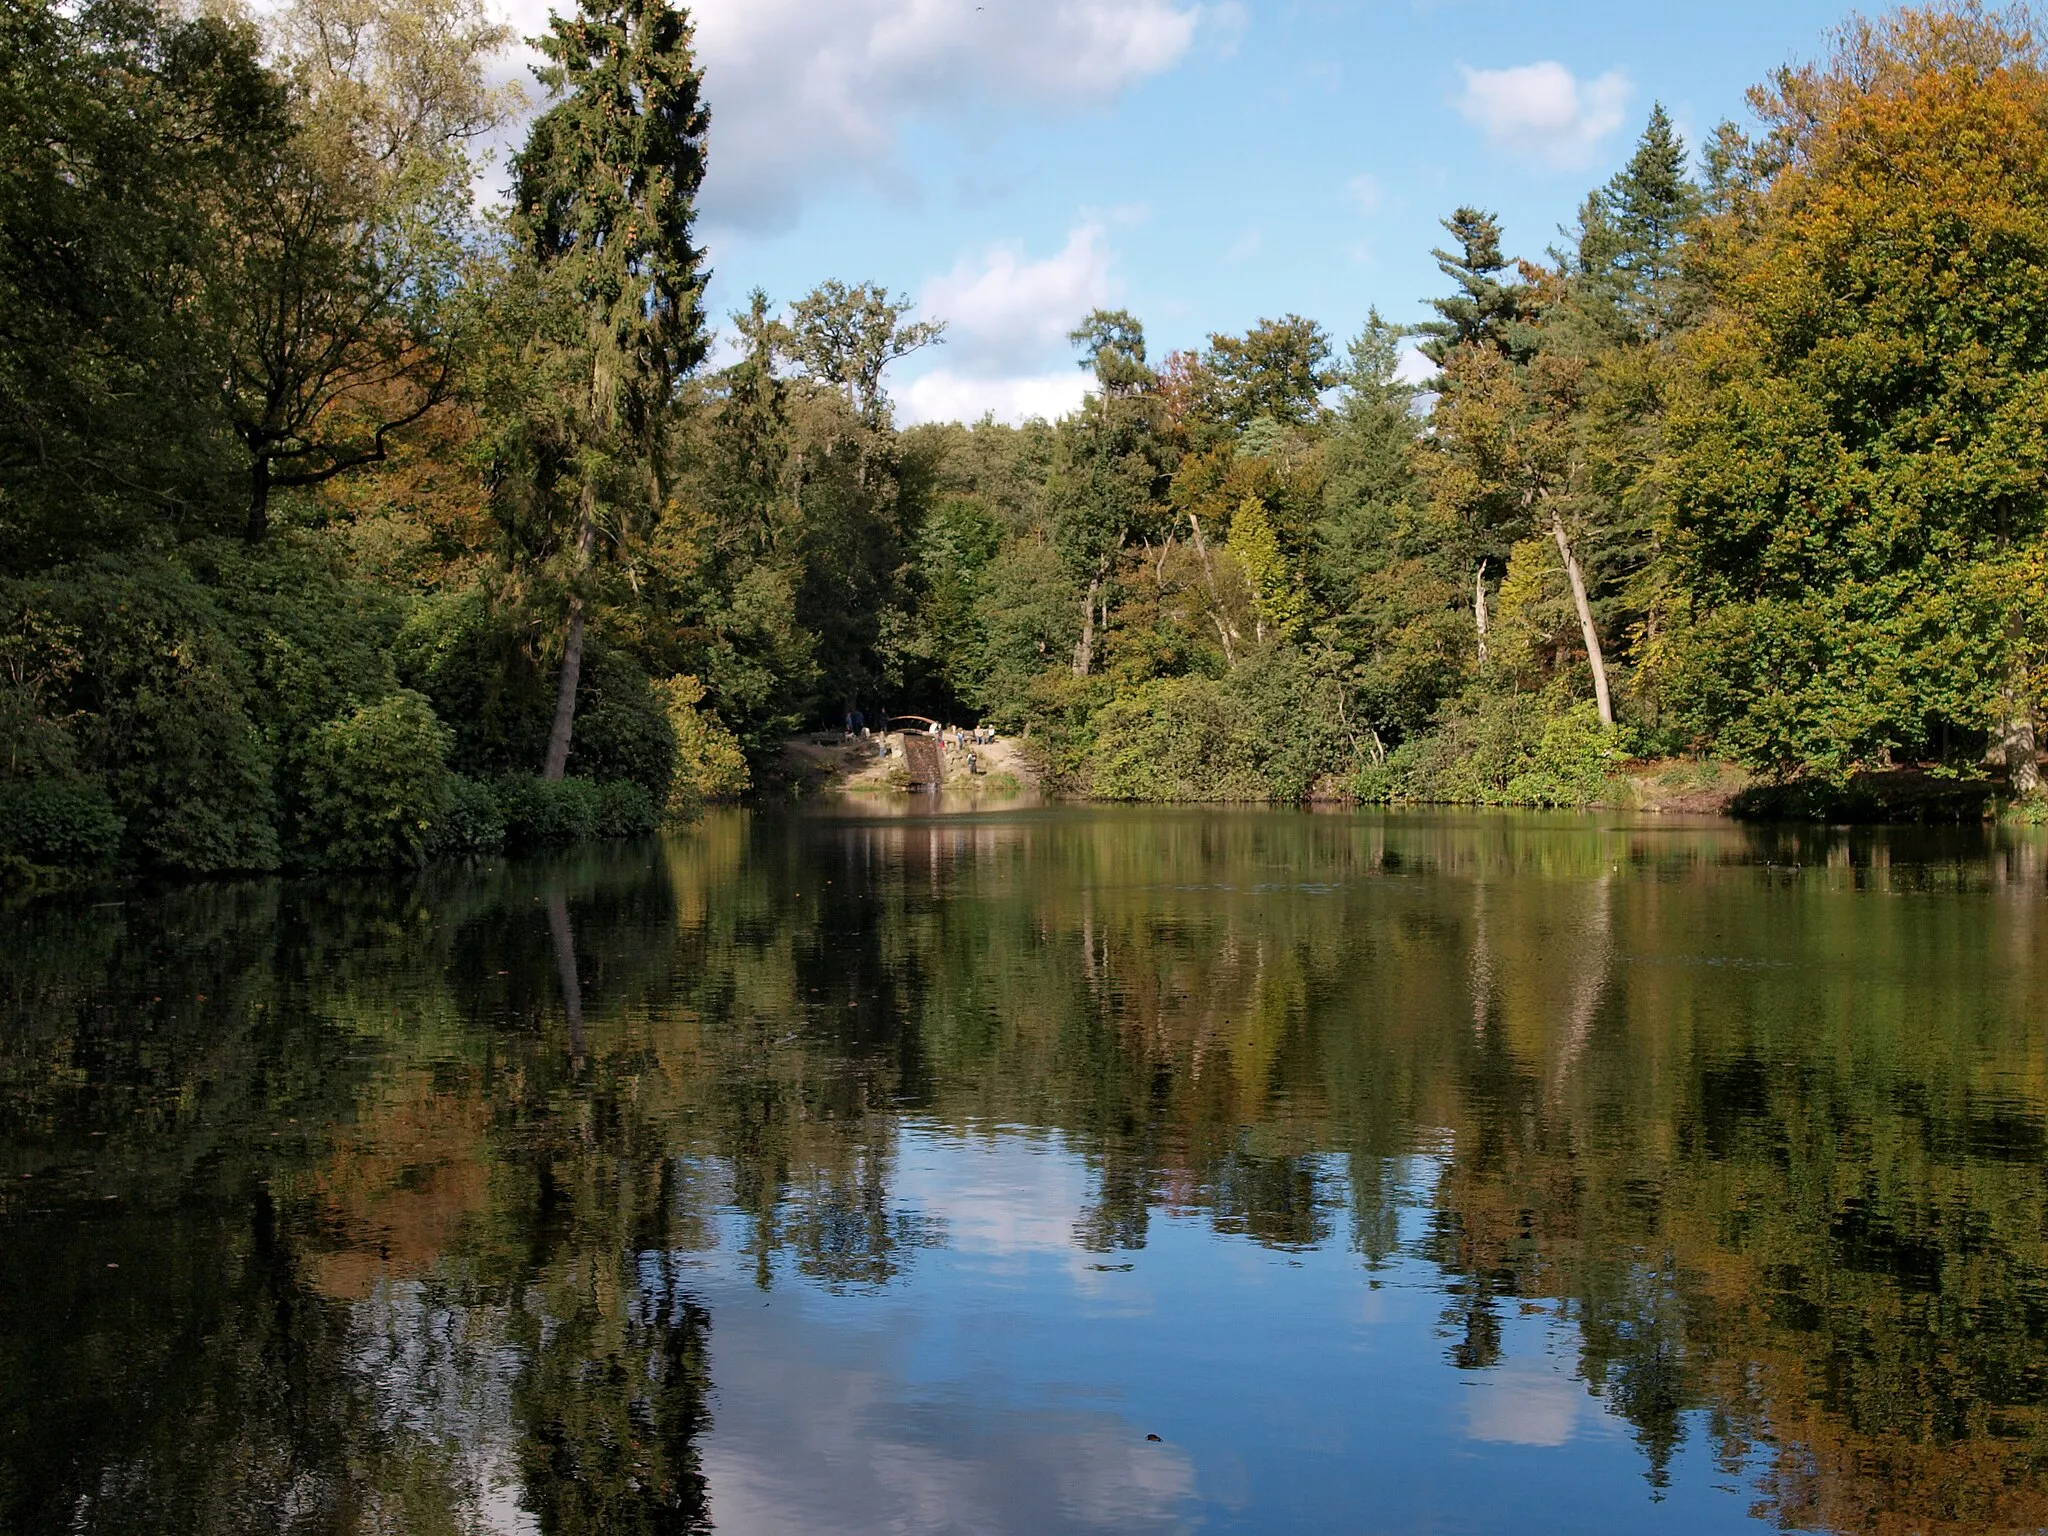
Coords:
1084,649
1482,963
565,695
1479,609
259,500
2022,749
1084,652
1594,655
563,732
1225,631
565,972
1594,966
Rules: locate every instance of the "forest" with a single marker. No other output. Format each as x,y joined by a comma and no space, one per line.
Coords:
350,519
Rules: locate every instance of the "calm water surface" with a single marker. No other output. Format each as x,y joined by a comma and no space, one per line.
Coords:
847,1172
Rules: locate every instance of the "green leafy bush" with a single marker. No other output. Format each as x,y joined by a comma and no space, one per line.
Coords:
471,821
1503,749
625,810
2030,812
159,703
623,729
314,643
1272,730
1175,739
1296,708
484,681
60,822
540,813
1872,799
375,782
498,697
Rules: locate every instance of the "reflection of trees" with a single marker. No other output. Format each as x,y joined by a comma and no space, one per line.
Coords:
1773,1148
1781,1192
611,1403
1668,1119
299,1112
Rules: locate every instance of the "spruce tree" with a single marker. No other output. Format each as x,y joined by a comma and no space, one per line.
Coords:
1485,308
751,443
1632,245
605,196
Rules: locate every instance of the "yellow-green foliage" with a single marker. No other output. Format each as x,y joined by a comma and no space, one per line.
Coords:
1180,738
709,762
1530,610
1282,611
1855,475
1504,749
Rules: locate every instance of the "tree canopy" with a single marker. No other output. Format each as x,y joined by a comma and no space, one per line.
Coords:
334,514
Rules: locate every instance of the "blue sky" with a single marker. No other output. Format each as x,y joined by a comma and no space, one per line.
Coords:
1010,164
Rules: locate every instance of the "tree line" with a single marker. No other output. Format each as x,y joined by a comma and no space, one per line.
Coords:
346,520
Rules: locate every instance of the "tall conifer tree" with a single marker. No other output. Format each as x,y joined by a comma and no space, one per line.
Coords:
606,192
1485,307
1646,209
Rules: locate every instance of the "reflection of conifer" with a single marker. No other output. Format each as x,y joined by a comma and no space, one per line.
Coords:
1478,1346
1635,1352
611,1406
1120,1217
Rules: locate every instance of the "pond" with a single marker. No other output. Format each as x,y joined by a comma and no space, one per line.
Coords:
1047,1170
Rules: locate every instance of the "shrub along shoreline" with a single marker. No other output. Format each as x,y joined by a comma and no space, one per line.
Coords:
216,709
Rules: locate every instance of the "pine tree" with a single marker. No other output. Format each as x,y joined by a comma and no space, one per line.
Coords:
1484,309
1112,344
1634,230
751,442
605,195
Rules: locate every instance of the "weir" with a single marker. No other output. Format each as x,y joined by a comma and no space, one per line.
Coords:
927,765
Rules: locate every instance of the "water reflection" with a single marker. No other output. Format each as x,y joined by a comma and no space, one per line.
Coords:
849,1173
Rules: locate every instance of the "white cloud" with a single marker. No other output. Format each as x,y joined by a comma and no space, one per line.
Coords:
1544,110
1364,192
946,395
1414,368
1003,311
806,92
1524,1404
1007,320
1246,245
828,1428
